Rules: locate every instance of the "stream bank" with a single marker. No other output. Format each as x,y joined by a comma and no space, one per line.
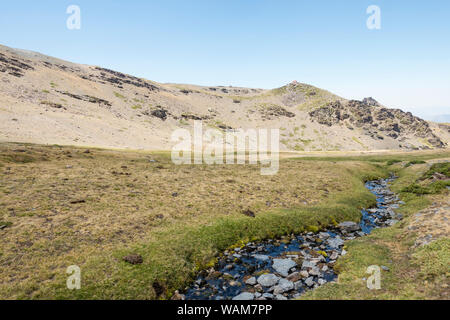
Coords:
284,269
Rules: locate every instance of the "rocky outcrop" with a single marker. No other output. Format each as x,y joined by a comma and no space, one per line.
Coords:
190,116
90,93
277,111
272,111
13,66
87,98
53,105
370,102
119,79
376,121
159,112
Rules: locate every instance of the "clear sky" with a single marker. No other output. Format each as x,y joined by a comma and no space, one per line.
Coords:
254,43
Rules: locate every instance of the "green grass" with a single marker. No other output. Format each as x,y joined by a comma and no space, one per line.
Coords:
182,251
433,188
434,259
5,223
422,185
195,227
414,162
441,168
393,161
413,273
120,96
121,215
402,157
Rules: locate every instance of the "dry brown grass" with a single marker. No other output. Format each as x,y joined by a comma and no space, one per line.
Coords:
125,199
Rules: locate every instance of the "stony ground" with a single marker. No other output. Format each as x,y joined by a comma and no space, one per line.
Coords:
432,223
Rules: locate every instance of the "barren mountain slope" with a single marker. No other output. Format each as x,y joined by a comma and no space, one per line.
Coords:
50,101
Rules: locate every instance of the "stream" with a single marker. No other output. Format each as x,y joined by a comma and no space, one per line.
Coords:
285,268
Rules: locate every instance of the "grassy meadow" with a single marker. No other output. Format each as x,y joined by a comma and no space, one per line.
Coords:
414,271
63,206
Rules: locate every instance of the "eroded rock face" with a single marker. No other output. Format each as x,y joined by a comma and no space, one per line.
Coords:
86,98
274,111
370,102
119,79
13,66
159,112
375,120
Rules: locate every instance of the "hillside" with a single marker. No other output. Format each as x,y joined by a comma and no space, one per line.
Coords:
49,101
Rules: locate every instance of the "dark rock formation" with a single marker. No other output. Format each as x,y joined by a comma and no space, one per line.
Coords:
53,105
13,66
119,79
189,116
375,120
87,98
160,113
370,102
275,111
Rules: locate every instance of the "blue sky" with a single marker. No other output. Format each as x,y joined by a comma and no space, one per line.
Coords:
254,43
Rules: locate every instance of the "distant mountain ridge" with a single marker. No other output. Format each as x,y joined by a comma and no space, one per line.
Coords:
48,100
443,118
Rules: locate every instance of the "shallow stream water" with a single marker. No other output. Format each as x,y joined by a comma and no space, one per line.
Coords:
284,269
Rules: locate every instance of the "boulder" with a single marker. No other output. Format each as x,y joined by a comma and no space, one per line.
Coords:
309,282
349,226
282,266
261,257
268,280
335,242
244,296
283,286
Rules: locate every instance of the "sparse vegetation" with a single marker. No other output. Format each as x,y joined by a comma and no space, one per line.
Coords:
414,162
393,161
136,107
120,96
359,142
440,168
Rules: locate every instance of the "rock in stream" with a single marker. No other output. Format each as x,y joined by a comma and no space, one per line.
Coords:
277,269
